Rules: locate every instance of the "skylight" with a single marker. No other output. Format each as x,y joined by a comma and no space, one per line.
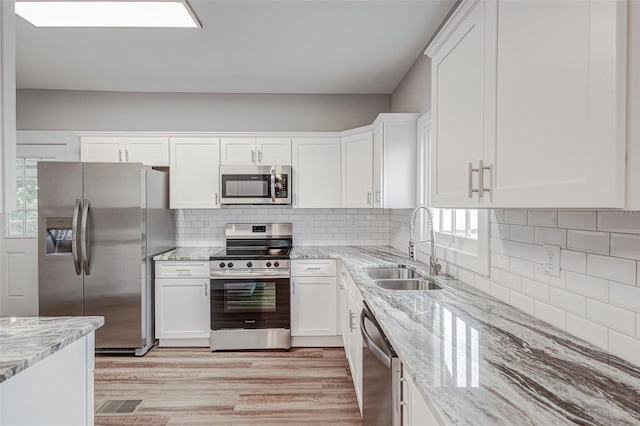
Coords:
124,14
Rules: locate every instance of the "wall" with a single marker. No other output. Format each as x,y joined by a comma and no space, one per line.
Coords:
413,94
199,227
194,112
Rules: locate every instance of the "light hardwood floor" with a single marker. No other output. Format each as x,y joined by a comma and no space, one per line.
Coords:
195,386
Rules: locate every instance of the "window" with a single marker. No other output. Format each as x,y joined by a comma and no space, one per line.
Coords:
462,235
23,222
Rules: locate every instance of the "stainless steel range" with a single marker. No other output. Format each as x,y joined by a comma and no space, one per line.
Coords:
250,288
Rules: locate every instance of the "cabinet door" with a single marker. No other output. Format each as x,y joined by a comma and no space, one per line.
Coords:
313,307
418,412
182,308
378,166
458,102
357,170
560,137
194,173
355,345
317,173
238,151
102,149
147,150
273,151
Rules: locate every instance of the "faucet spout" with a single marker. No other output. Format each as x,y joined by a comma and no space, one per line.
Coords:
434,266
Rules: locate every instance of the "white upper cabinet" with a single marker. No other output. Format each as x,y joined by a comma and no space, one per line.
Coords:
316,172
357,170
255,151
394,165
194,173
152,151
536,91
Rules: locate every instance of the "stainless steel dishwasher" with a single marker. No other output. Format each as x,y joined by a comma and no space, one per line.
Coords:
381,374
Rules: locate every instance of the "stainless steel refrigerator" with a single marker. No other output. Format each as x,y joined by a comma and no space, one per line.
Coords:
99,225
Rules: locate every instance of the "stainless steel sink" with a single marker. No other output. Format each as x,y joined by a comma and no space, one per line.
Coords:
391,273
408,284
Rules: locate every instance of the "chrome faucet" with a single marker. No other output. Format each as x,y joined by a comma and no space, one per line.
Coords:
434,266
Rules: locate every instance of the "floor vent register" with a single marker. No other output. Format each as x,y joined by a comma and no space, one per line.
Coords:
119,407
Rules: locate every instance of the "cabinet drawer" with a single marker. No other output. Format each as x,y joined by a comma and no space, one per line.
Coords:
303,268
173,269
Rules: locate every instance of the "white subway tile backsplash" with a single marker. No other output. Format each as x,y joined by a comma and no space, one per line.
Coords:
465,276
557,237
573,261
554,316
625,296
627,222
532,253
500,261
522,302
612,268
638,326
611,316
495,245
515,217
510,280
553,281
497,216
589,331
568,301
500,292
625,245
524,234
627,348
499,230
577,220
535,289
483,284
543,218
591,287
511,248
521,267
588,241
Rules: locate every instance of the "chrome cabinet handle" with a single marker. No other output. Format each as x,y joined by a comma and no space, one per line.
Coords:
378,197
471,190
217,202
75,238
126,155
259,156
293,287
369,198
253,156
481,170
206,290
120,155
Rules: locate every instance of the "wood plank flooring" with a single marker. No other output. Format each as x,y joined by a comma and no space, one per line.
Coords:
197,387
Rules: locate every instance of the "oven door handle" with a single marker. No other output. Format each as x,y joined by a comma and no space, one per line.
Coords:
273,185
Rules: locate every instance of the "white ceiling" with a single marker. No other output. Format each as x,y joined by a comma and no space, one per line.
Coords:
295,46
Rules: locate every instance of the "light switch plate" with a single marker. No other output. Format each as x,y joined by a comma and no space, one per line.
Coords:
551,260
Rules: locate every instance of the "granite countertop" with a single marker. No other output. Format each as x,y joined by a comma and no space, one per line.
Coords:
26,341
477,360
188,253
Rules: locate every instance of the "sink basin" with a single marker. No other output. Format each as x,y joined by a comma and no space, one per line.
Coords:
391,273
407,284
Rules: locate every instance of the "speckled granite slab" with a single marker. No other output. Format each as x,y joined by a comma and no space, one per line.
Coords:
25,341
189,253
478,361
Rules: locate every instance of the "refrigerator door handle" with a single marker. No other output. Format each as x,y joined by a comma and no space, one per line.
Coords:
85,236
383,356
75,237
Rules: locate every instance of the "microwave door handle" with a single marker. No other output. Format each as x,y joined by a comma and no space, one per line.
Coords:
273,185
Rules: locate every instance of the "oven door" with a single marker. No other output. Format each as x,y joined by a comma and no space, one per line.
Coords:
250,303
255,184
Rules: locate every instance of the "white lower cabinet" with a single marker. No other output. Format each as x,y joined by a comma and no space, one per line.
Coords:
313,298
416,411
182,305
352,337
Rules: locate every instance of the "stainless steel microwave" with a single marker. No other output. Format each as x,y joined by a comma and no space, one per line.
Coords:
255,184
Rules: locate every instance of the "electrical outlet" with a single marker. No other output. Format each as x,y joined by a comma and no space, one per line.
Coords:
551,260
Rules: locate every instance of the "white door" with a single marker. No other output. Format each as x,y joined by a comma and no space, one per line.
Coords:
317,173
194,173
357,170
273,151
182,308
19,254
102,149
238,151
458,108
152,151
313,307
560,138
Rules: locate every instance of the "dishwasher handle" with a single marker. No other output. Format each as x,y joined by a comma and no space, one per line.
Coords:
384,356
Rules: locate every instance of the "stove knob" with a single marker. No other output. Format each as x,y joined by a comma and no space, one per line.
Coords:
230,264
276,263
249,264
268,264
222,264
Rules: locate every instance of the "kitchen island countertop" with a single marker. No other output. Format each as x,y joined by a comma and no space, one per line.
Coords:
477,360
24,341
